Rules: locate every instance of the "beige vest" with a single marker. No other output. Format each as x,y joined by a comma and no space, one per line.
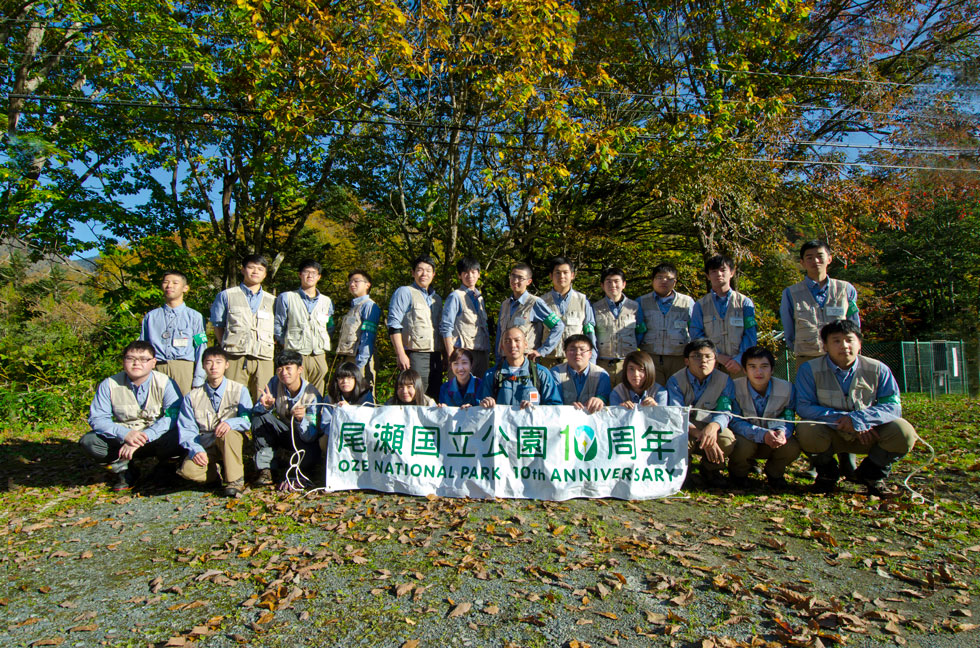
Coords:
625,394
780,400
615,336
205,416
470,328
427,401
709,398
350,330
725,333
666,334
574,318
521,318
284,409
248,333
809,318
568,395
864,386
306,332
126,410
418,325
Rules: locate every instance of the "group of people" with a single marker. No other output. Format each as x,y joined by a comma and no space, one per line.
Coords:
177,396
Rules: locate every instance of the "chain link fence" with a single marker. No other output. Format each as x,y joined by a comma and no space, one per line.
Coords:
935,367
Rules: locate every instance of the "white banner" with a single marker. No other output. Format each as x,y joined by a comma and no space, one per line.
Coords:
553,453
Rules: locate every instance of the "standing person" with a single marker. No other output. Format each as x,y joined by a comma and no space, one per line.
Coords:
303,323
759,394
638,384
858,401
244,326
817,300
725,316
462,387
666,315
464,318
177,334
517,379
571,306
286,416
583,384
132,416
619,324
359,328
212,424
414,313
710,392
530,314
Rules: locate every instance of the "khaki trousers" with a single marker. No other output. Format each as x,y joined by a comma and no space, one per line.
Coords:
315,371
252,372
550,362
180,371
896,438
666,366
726,441
228,450
615,368
777,459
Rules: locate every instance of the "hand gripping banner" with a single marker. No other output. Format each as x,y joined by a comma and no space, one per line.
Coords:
553,453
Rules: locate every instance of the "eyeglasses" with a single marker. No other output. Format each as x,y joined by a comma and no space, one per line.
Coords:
137,361
356,281
578,350
519,278
699,356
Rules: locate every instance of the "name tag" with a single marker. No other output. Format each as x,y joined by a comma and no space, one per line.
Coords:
181,341
835,312
322,318
518,321
680,324
263,314
534,397
736,321
574,320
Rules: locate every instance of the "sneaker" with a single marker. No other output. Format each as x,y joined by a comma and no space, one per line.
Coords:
264,478
234,489
126,479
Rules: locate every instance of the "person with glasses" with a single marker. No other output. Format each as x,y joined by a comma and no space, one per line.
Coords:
133,416
710,393
583,384
667,315
303,323
530,314
359,328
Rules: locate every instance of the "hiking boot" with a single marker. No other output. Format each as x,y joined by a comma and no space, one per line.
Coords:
777,484
848,466
264,478
126,479
874,478
234,489
825,486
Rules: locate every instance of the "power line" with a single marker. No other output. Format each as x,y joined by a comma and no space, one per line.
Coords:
870,165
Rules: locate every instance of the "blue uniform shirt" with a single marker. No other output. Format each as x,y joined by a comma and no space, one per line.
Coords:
539,313
886,409
750,334
219,308
190,432
307,428
100,413
754,432
449,393
280,312
787,314
675,397
177,334
659,396
401,303
602,390
513,391
451,308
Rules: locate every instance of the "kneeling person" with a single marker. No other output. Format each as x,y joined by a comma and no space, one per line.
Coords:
517,379
583,384
211,425
286,417
132,416
857,398
710,392
759,394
